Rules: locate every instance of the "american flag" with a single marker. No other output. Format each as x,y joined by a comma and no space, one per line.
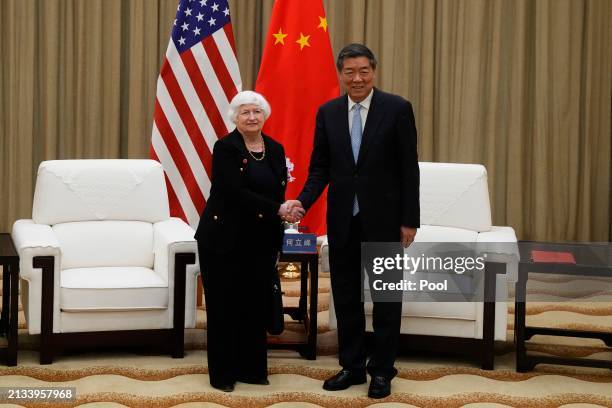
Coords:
198,78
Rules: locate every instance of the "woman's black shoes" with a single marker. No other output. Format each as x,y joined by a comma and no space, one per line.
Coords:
224,387
230,387
256,381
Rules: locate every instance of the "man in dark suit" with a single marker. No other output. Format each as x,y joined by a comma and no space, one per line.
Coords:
365,149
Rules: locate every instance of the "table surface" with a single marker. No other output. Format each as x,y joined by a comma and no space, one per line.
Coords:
586,254
7,249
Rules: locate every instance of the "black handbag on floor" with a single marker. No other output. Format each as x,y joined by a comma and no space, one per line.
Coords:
276,316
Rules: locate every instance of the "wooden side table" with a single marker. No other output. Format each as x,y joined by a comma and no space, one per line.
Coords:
590,259
307,315
9,260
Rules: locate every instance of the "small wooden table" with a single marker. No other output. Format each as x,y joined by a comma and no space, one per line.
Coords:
9,260
591,259
303,313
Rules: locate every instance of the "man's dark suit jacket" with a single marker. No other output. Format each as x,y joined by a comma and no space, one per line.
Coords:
385,178
232,204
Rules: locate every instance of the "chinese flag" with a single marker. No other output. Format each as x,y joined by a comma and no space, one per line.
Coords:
296,76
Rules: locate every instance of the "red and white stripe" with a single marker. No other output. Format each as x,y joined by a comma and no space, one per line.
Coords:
193,93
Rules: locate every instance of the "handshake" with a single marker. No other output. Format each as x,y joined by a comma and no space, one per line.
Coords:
291,211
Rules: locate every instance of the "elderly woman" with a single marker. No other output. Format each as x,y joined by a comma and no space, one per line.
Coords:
239,238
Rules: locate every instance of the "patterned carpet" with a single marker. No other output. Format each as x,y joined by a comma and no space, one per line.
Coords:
113,379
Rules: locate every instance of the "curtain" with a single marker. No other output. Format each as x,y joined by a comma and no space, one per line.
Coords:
521,86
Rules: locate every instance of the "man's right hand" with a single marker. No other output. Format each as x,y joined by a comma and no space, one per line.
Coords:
295,210
291,211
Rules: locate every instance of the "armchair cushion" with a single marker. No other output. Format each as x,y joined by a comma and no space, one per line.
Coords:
105,243
112,289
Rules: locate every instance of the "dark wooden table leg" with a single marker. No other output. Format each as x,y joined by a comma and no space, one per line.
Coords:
312,329
5,300
12,329
303,305
519,320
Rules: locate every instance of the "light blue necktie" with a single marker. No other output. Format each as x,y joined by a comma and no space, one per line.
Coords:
355,143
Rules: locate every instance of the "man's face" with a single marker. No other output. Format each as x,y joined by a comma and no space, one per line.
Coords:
358,77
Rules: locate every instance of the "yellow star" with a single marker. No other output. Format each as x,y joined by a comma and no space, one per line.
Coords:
280,37
323,23
303,41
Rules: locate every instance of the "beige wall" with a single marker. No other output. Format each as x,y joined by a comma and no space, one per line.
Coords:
522,86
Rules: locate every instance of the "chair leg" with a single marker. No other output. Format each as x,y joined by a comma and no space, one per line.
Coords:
181,260
492,269
178,352
487,358
178,343
46,348
46,263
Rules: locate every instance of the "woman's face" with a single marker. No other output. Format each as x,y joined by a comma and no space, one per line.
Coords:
250,119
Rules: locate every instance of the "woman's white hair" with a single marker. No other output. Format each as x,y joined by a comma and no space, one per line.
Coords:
248,98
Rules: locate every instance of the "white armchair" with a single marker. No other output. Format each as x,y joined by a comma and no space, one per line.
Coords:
455,207
102,262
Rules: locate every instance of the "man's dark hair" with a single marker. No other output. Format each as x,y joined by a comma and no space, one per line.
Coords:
353,51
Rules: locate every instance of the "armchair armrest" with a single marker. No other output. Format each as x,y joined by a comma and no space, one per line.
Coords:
322,240
33,240
500,245
170,237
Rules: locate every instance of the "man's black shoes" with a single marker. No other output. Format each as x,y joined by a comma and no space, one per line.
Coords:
343,380
380,387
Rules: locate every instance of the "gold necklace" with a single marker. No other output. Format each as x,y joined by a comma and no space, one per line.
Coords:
263,151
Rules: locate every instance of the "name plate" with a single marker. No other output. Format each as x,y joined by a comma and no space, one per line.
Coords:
300,244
